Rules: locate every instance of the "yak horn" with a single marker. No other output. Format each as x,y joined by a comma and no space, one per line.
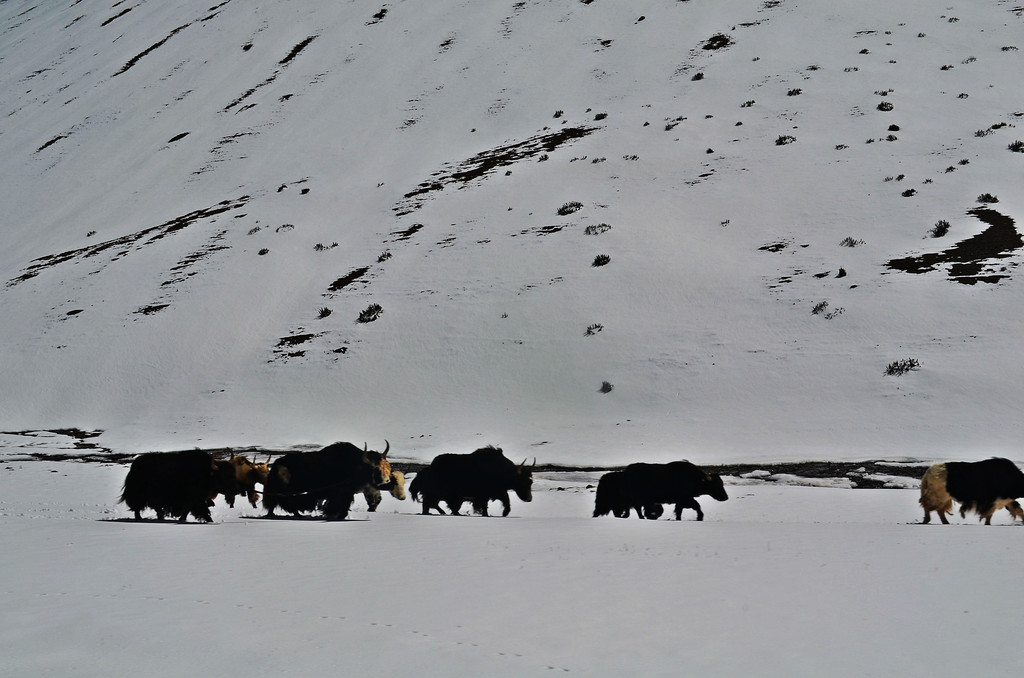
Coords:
387,447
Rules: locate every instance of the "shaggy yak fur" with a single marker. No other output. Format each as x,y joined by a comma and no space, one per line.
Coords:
327,479
175,483
478,477
643,486
611,498
982,486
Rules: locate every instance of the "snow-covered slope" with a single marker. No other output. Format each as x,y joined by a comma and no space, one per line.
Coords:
198,203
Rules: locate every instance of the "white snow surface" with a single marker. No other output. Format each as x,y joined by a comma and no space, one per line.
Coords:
151,150
780,580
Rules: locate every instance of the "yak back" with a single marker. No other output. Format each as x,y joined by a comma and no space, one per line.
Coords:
483,472
982,482
667,483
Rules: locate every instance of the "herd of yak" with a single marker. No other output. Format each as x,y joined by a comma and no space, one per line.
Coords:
181,483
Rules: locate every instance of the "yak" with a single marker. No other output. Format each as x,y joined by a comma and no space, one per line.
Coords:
396,487
611,497
175,483
981,486
238,475
327,479
643,486
478,477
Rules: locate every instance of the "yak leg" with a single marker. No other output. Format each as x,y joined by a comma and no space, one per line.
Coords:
688,503
480,507
372,496
942,511
429,502
506,507
138,515
986,512
200,510
253,496
336,508
653,511
454,505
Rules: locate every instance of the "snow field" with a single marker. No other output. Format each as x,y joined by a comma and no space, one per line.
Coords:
778,581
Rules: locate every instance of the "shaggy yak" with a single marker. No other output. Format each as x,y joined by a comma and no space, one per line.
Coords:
642,486
175,483
327,479
478,477
981,486
611,497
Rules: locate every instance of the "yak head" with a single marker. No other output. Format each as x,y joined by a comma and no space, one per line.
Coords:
522,481
248,473
381,467
397,485
711,484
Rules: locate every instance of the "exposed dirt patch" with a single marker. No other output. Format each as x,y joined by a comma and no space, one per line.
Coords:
295,51
294,340
406,233
976,259
120,247
541,230
135,59
775,246
485,163
347,279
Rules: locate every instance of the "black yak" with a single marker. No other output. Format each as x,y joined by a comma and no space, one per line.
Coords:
175,483
612,497
981,486
642,486
327,479
478,477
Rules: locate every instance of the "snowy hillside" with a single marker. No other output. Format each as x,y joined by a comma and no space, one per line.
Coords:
200,202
